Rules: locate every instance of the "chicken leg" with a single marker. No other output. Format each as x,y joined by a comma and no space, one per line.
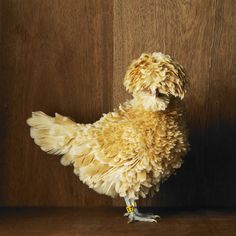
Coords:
134,215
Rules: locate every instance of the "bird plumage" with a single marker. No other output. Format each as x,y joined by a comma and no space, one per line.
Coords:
129,151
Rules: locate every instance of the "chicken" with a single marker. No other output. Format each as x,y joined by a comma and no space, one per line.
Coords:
130,151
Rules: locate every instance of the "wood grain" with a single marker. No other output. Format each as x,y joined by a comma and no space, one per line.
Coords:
70,57
200,35
110,221
56,57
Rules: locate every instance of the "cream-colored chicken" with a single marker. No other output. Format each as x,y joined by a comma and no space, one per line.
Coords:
129,151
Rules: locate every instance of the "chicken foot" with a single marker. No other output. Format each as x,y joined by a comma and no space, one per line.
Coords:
134,215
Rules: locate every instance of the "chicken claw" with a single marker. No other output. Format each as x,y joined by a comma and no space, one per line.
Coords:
134,216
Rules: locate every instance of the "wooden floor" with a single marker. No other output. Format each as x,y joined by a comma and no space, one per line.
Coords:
110,221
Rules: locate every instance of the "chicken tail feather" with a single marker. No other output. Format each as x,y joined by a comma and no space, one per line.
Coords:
54,135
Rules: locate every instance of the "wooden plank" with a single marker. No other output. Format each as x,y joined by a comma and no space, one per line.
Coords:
55,57
200,35
110,221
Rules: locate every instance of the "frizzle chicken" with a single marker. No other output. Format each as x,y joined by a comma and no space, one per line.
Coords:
130,151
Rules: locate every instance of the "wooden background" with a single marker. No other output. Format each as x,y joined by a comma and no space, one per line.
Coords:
70,57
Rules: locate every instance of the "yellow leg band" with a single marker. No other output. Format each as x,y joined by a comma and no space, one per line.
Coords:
130,209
